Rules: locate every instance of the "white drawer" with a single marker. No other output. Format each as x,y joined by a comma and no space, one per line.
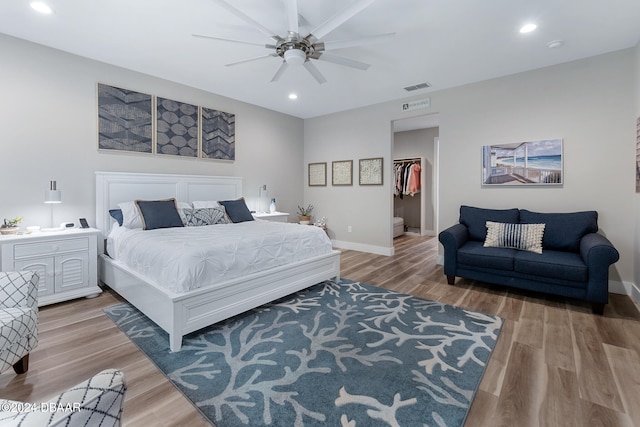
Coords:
51,247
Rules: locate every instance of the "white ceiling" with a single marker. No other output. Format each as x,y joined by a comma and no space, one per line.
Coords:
444,42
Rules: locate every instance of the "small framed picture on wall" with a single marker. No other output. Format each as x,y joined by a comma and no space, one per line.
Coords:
371,171
342,172
318,174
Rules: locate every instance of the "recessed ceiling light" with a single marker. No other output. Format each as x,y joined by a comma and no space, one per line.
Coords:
41,7
554,44
527,28
293,96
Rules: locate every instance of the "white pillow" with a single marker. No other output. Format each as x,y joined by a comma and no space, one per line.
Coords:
205,204
130,215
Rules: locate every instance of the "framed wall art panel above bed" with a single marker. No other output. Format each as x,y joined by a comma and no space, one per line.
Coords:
182,313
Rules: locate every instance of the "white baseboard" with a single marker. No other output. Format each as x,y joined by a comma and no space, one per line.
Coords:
625,288
378,250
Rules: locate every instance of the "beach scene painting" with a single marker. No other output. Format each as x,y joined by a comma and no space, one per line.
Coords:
523,163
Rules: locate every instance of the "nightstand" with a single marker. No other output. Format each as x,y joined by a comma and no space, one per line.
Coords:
66,262
276,216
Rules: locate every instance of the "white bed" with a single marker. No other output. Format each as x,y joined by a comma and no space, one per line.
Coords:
180,313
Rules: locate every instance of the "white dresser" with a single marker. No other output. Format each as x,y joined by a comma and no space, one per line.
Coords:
66,262
276,216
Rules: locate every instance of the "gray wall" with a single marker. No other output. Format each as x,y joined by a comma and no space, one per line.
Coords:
48,117
589,103
48,122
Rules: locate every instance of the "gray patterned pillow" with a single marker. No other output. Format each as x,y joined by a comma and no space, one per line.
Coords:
204,216
524,237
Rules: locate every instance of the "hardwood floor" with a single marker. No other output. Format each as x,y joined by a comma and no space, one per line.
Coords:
555,363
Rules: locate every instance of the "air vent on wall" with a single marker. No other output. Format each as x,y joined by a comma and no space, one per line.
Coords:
418,86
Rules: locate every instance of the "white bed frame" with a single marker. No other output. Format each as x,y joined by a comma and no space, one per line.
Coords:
182,313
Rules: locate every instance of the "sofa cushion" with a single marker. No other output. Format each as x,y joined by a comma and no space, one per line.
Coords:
524,237
563,231
475,254
475,219
556,264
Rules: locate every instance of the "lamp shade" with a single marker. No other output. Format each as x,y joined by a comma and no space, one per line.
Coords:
53,195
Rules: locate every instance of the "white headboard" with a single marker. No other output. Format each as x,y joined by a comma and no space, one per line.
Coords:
117,187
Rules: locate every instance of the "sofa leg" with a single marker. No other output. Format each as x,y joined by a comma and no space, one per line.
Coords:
451,280
22,365
597,308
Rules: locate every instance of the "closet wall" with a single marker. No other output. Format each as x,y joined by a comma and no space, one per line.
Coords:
417,211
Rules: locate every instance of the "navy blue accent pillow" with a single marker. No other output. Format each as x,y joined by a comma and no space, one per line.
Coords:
476,219
117,215
563,231
237,210
159,214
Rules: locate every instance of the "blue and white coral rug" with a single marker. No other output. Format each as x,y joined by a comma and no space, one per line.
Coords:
345,354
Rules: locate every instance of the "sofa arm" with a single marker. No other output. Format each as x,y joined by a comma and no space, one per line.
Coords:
598,254
18,289
452,239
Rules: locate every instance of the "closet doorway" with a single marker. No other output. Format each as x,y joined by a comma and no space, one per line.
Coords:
415,153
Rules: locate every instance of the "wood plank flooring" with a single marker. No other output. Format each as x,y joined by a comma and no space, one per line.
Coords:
555,364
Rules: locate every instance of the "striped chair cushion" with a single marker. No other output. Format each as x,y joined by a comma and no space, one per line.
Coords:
524,237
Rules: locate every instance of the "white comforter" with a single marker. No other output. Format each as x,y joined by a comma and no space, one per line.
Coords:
185,258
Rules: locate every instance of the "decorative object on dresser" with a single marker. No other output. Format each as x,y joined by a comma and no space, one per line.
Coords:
304,214
213,272
18,319
556,253
66,262
336,354
10,226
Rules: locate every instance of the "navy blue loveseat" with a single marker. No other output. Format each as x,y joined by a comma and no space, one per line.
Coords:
574,262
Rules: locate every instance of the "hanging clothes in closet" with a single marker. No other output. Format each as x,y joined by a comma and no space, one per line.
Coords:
407,178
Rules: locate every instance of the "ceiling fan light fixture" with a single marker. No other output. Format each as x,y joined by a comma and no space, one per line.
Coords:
295,57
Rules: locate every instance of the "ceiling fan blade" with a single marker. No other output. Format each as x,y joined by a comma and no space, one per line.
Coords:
360,41
339,18
248,19
344,61
281,70
314,72
291,7
202,36
251,60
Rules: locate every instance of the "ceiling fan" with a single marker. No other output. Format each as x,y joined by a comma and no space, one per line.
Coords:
295,49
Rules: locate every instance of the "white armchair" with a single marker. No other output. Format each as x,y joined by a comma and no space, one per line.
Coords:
18,319
94,402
